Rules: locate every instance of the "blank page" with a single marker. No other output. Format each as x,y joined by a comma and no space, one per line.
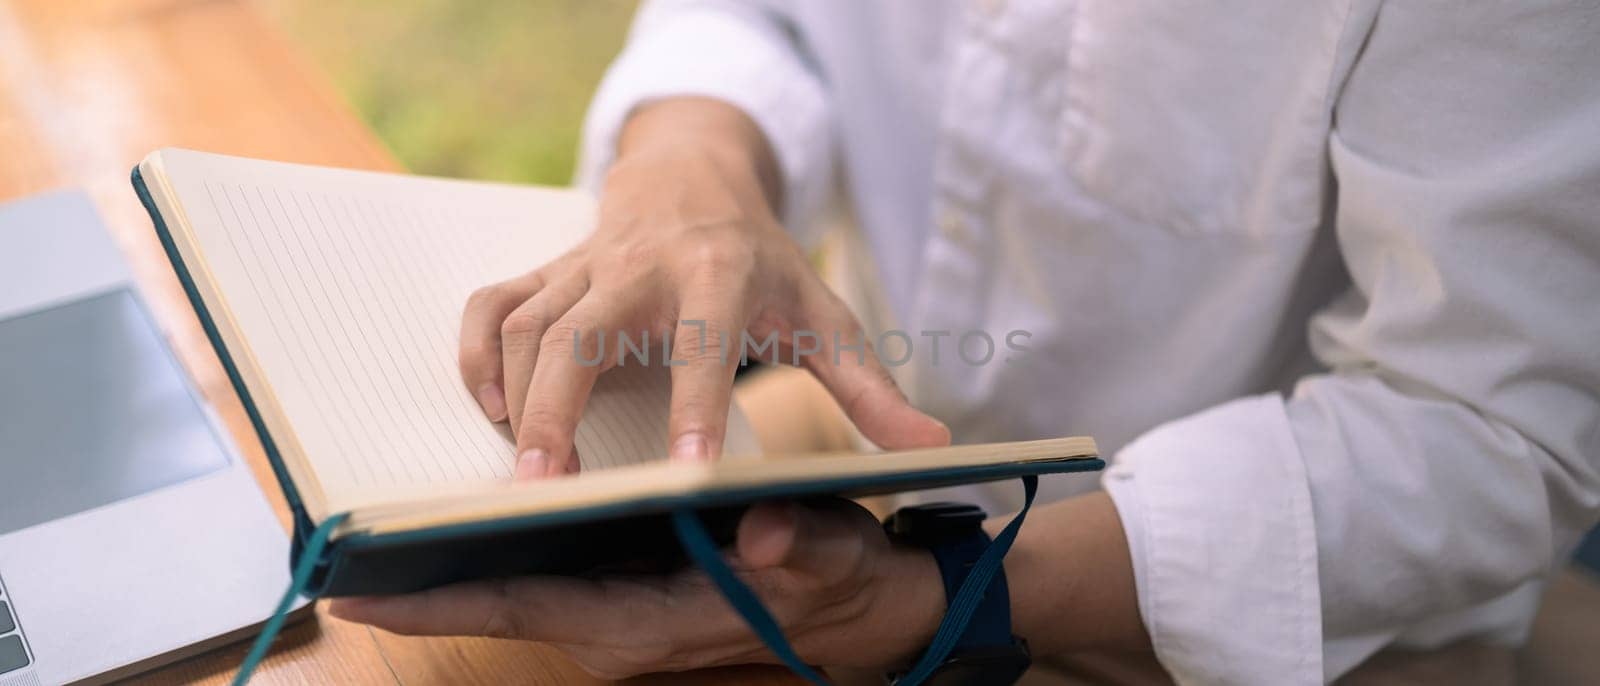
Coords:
349,287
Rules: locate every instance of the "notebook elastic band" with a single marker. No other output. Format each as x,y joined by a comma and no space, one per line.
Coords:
309,557
967,599
697,543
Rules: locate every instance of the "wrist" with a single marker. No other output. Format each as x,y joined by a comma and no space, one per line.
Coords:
703,130
908,602
1072,560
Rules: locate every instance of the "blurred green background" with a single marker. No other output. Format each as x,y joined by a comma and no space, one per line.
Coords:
487,89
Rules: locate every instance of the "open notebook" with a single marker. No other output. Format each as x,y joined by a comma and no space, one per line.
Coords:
334,299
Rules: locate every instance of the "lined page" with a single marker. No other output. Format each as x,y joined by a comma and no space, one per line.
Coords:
625,422
349,287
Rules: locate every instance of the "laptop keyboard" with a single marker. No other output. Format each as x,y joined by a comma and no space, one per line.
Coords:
13,655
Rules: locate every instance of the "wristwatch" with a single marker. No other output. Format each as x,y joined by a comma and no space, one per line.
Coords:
987,653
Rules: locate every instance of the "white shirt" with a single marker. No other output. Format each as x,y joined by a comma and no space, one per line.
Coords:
1324,276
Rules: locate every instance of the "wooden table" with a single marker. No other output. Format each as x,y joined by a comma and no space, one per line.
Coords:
87,88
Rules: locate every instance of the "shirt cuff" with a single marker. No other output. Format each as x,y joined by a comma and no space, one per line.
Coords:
739,60
1217,510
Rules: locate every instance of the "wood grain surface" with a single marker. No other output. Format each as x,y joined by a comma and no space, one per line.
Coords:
87,88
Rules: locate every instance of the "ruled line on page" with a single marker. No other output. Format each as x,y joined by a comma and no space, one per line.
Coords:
352,297
359,309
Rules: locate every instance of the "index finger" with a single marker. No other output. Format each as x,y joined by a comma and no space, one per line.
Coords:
570,360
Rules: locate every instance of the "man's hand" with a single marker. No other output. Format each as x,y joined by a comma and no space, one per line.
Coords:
686,233
844,595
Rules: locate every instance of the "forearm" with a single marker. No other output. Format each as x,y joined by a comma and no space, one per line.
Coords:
1071,579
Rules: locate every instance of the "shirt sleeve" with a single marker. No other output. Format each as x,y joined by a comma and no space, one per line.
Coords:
745,53
1450,458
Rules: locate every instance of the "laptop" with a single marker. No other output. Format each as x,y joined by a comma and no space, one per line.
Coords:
132,534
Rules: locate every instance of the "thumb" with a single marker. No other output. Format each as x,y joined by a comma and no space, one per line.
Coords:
801,538
767,534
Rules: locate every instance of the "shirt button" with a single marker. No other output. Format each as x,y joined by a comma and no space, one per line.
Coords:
952,226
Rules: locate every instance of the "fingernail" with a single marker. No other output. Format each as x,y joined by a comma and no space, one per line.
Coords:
531,465
691,447
493,401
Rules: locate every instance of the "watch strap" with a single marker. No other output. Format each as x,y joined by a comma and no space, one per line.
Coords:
966,601
990,625
700,547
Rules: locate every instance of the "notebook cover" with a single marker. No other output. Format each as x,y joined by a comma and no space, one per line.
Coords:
578,541
303,526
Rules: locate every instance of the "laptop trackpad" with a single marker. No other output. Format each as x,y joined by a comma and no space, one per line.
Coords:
93,409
